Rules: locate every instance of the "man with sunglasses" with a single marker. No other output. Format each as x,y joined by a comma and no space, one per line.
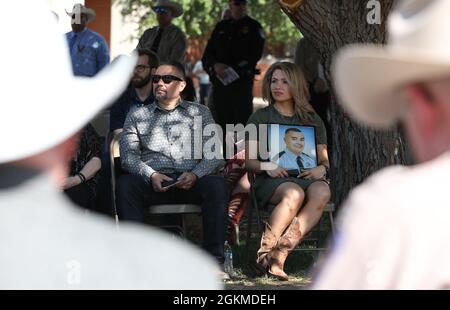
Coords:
237,43
138,93
88,49
167,142
166,40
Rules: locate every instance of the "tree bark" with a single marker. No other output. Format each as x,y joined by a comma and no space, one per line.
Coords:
356,151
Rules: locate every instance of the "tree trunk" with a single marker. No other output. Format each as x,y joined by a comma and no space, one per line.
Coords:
356,152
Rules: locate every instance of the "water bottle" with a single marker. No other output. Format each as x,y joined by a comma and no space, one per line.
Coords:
228,264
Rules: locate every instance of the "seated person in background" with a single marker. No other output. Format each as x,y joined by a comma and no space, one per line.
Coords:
156,147
299,202
46,242
139,93
81,183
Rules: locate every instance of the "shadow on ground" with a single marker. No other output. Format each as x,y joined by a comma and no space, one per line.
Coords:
299,266
296,282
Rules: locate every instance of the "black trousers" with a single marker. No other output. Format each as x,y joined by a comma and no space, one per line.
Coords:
204,92
82,195
233,103
135,194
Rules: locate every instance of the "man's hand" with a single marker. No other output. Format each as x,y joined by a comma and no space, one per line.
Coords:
187,180
70,182
278,172
220,68
316,173
157,178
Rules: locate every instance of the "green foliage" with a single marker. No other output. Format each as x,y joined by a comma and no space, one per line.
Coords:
200,16
280,31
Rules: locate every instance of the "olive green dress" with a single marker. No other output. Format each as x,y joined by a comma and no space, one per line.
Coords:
265,186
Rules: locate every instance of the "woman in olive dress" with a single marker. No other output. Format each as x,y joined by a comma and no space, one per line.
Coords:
296,203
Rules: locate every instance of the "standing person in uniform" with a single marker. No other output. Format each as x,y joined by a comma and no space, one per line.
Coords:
166,40
88,49
236,43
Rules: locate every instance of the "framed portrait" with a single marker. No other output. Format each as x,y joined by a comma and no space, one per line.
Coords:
292,147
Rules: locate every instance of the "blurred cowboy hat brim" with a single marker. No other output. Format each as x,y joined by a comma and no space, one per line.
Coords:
90,13
368,80
54,104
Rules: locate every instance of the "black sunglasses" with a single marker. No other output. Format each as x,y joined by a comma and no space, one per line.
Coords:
167,79
160,10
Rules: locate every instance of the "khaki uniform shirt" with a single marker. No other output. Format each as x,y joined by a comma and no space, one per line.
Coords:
172,46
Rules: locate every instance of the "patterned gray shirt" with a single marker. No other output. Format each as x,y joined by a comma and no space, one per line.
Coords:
154,139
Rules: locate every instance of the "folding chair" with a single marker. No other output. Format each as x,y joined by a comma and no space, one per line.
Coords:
169,209
175,209
114,156
329,209
101,124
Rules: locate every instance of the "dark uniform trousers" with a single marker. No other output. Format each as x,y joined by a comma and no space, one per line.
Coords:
238,44
234,102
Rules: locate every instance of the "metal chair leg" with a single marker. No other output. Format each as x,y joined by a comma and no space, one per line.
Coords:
249,230
330,214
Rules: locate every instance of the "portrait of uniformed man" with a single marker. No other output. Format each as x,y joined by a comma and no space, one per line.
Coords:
293,156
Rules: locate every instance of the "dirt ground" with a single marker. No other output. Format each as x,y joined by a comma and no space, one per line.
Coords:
240,281
267,284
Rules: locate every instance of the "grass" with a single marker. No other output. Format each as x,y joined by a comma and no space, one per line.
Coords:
298,264
296,281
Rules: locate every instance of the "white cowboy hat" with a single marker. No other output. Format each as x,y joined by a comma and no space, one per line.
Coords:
368,78
42,103
78,8
177,9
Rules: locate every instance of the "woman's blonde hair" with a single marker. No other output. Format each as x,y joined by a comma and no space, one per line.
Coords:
297,86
